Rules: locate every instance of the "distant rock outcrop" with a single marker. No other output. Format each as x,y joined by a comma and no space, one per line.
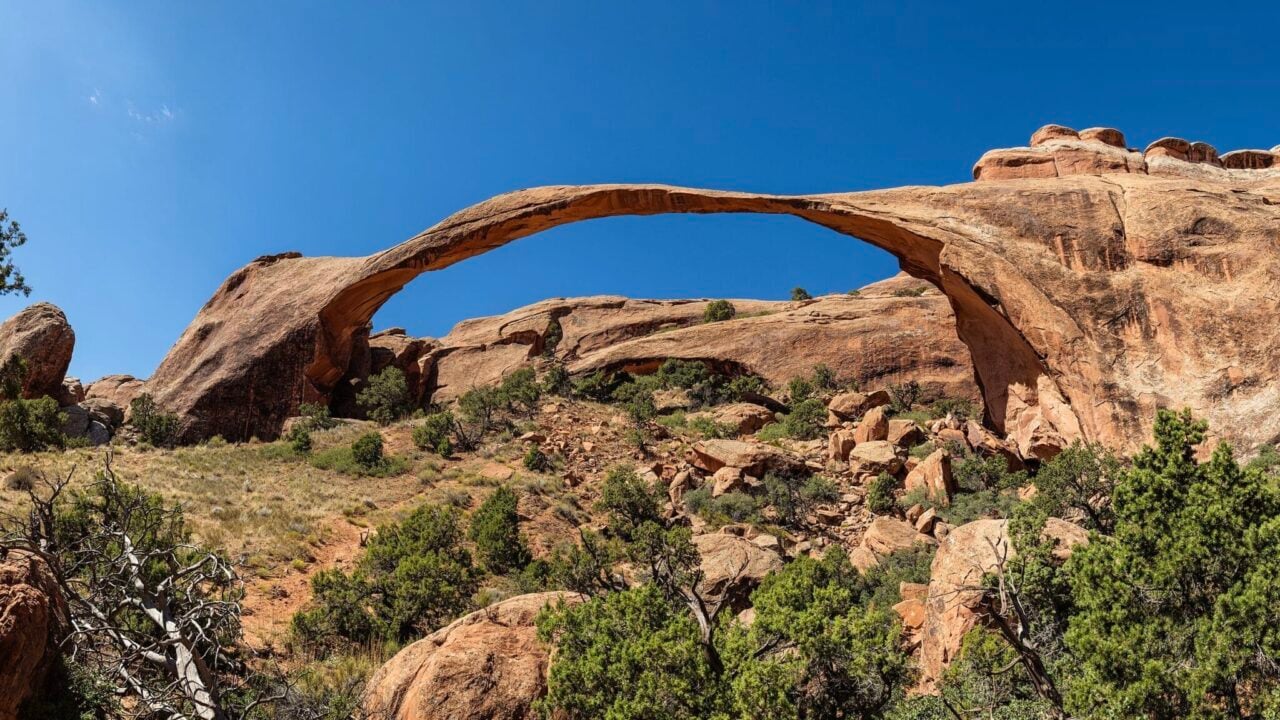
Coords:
487,665
1092,285
890,331
41,335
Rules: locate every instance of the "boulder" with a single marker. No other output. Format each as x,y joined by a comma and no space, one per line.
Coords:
752,458
668,401
876,457
117,390
41,335
839,444
726,480
852,405
887,535
874,425
903,433
71,392
952,608
77,421
33,617
732,567
487,665
933,475
104,411
744,418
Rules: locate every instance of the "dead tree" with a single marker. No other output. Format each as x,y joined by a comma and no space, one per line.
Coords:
153,612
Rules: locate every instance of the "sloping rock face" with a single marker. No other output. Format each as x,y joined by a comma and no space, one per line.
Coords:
32,617
1092,285
487,665
884,334
41,335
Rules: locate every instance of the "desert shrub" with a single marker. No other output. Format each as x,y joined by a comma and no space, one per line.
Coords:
698,500
799,293
636,397
743,385
627,655
903,396
904,566
824,378
959,407
880,491
792,496
413,577
718,310
22,479
556,381
385,397
976,472
595,386
155,426
495,529
364,457
535,460
367,450
800,389
317,416
735,507
433,435
299,438
629,500
910,292
30,425
708,427
807,419
772,432
520,390
820,646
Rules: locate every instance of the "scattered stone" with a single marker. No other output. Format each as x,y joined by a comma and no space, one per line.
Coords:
852,405
903,433
875,457
873,426
933,475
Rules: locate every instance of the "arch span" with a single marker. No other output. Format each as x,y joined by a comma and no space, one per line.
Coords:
334,298
1092,285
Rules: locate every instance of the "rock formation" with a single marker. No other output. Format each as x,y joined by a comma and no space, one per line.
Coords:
952,605
41,335
487,665
1091,283
32,617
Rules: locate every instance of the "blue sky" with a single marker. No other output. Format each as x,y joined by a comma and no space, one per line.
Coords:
151,148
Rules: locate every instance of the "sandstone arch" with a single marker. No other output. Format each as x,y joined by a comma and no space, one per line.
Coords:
1092,284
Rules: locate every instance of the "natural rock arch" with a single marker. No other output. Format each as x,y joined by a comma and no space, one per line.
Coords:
1080,274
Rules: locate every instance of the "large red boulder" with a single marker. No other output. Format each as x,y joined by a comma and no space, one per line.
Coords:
41,335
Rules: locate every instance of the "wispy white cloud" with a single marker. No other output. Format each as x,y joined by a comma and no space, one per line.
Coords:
96,98
163,115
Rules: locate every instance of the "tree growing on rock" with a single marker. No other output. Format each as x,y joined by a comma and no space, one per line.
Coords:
718,311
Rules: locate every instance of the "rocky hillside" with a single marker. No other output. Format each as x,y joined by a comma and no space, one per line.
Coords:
859,505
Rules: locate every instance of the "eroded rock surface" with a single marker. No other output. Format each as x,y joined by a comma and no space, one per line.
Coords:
32,617
1092,284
